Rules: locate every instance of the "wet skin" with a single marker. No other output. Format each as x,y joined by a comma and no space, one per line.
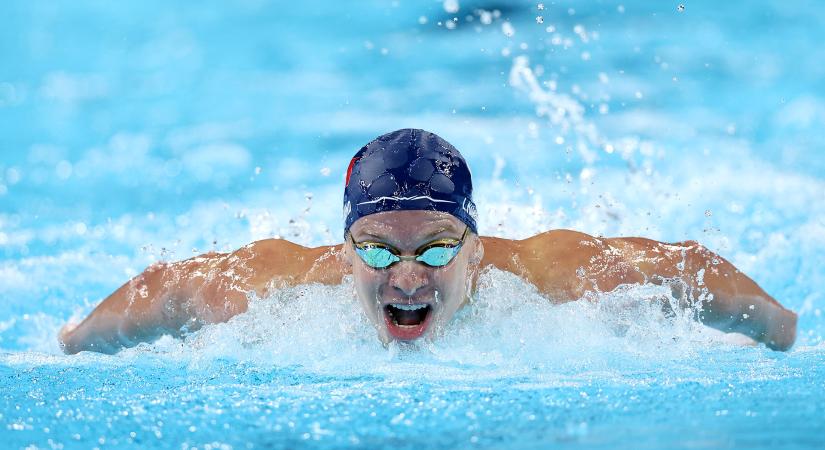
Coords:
442,289
172,298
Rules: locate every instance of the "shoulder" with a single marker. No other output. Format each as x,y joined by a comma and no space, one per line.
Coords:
549,243
551,238
280,259
565,244
561,255
553,260
270,247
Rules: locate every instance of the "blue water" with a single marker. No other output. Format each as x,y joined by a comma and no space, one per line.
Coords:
154,131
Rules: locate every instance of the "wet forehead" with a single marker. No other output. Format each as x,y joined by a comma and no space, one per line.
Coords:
407,225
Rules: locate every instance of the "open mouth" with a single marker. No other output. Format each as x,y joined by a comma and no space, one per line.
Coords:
407,321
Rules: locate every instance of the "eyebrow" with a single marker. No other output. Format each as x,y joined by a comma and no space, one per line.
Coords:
437,231
376,234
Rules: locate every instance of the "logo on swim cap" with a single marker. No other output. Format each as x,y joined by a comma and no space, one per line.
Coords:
408,170
349,170
470,208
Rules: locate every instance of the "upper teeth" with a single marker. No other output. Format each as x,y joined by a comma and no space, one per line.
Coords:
408,307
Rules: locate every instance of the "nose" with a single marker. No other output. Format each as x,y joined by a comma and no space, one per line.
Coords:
408,277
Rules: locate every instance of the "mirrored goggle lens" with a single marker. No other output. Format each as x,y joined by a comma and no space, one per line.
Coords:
438,256
377,257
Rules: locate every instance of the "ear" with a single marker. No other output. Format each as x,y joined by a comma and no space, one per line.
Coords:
477,253
345,255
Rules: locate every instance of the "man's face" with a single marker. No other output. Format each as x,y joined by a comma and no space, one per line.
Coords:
408,299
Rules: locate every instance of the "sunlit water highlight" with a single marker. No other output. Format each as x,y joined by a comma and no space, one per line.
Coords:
144,133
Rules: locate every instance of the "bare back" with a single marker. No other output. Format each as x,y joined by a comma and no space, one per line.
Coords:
564,265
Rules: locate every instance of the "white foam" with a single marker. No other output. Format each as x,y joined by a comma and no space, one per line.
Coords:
508,330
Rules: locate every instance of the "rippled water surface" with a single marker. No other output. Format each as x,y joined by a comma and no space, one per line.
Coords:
132,134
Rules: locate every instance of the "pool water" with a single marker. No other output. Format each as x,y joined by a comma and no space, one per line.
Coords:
155,131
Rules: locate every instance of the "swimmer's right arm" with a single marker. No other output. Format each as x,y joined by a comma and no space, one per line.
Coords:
176,298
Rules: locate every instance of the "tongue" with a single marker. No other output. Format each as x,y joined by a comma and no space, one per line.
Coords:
408,317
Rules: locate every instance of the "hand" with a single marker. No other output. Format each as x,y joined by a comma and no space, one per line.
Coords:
781,332
64,336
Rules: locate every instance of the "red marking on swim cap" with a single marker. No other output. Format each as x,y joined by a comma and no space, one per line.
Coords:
349,170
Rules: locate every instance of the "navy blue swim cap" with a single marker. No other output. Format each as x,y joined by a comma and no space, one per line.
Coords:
408,170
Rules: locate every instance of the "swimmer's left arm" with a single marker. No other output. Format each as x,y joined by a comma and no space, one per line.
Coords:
567,264
733,301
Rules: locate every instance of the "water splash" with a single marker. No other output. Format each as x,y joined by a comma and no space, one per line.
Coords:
508,330
564,114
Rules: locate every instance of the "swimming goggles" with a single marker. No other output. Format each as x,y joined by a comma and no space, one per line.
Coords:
437,253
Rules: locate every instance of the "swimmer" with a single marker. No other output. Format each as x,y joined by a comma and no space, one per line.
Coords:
412,247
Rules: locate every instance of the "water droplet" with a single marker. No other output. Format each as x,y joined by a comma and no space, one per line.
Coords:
451,6
80,228
486,17
63,170
508,29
